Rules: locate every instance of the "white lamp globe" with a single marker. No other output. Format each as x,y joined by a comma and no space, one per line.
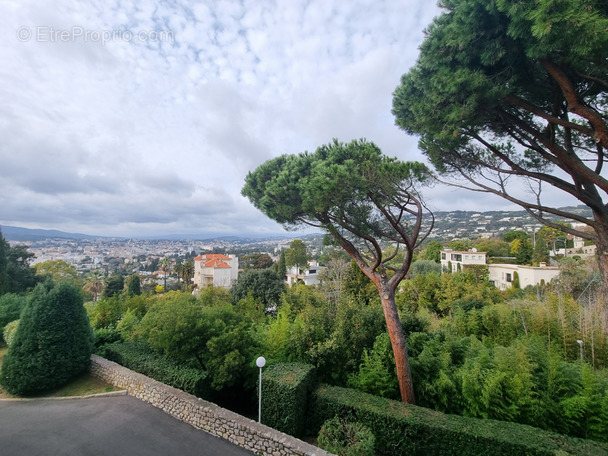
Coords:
260,362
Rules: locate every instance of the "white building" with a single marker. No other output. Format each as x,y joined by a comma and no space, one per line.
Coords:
453,258
502,275
308,276
216,269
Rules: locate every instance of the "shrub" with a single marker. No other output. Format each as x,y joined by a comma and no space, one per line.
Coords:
52,344
345,438
105,336
285,390
10,308
9,332
404,429
138,356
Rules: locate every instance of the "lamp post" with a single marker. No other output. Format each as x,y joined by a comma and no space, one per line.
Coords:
260,362
580,343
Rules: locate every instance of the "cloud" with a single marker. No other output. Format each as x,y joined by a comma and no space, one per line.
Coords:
147,117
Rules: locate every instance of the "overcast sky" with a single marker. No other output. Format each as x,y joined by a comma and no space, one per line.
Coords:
136,117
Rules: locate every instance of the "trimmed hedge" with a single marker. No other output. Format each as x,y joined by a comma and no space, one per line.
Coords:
139,357
403,429
285,391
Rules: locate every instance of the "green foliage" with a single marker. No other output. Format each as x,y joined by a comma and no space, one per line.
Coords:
59,271
4,247
404,429
505,88
425,266
140,358
115,284
104,336
432,252
511,236
515,284
10,308
296,254
346,438
214,337
264,285
377,373
20,277
134,286
9,332
106,312
255,261
53,342
285,391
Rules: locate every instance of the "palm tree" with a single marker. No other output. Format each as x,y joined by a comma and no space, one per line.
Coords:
164,265
188,272
94,283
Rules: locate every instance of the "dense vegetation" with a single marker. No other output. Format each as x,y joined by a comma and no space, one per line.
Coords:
475,351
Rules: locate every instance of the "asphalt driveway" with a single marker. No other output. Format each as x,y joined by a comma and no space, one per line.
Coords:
118,425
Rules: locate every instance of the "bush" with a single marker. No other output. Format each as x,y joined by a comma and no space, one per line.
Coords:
345,438
104,336
404,429
10,308
138,356
9,332
285,390
52,344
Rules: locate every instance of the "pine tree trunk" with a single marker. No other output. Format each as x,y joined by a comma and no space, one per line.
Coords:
602,259
397,337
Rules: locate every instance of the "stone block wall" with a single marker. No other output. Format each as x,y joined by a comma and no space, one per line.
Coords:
201,414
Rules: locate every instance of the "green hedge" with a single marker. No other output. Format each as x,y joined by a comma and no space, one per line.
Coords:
402,429
285,391
139,357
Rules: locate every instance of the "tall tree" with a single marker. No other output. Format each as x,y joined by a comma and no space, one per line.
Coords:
21,276
508,95
165,265
4,288
296,254
60,271
363,199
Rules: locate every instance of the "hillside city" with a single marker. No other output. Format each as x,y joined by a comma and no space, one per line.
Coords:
89,252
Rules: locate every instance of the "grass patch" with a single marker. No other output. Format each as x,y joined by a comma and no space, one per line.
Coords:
83,385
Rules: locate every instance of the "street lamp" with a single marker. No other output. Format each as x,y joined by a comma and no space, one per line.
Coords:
580,343
260,362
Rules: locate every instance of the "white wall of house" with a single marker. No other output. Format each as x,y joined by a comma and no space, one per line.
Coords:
502,275
454,258
309,276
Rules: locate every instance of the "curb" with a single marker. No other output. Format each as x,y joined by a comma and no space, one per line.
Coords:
65,398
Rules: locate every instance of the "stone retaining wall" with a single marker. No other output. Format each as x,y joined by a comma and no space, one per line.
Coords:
201,414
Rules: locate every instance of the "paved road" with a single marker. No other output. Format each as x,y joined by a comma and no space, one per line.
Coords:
119,425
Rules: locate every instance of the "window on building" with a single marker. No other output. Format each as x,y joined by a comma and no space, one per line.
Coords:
443,256
508,277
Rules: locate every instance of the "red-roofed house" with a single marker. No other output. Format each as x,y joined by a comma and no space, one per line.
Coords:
216,269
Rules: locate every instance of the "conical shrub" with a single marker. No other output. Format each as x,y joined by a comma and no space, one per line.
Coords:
53,342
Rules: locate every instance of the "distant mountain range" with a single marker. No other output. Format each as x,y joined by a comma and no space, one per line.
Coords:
15,233
444,220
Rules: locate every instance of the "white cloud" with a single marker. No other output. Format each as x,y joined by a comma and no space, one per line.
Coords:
154,130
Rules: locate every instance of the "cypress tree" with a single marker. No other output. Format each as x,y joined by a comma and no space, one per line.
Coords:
53,342
4,288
